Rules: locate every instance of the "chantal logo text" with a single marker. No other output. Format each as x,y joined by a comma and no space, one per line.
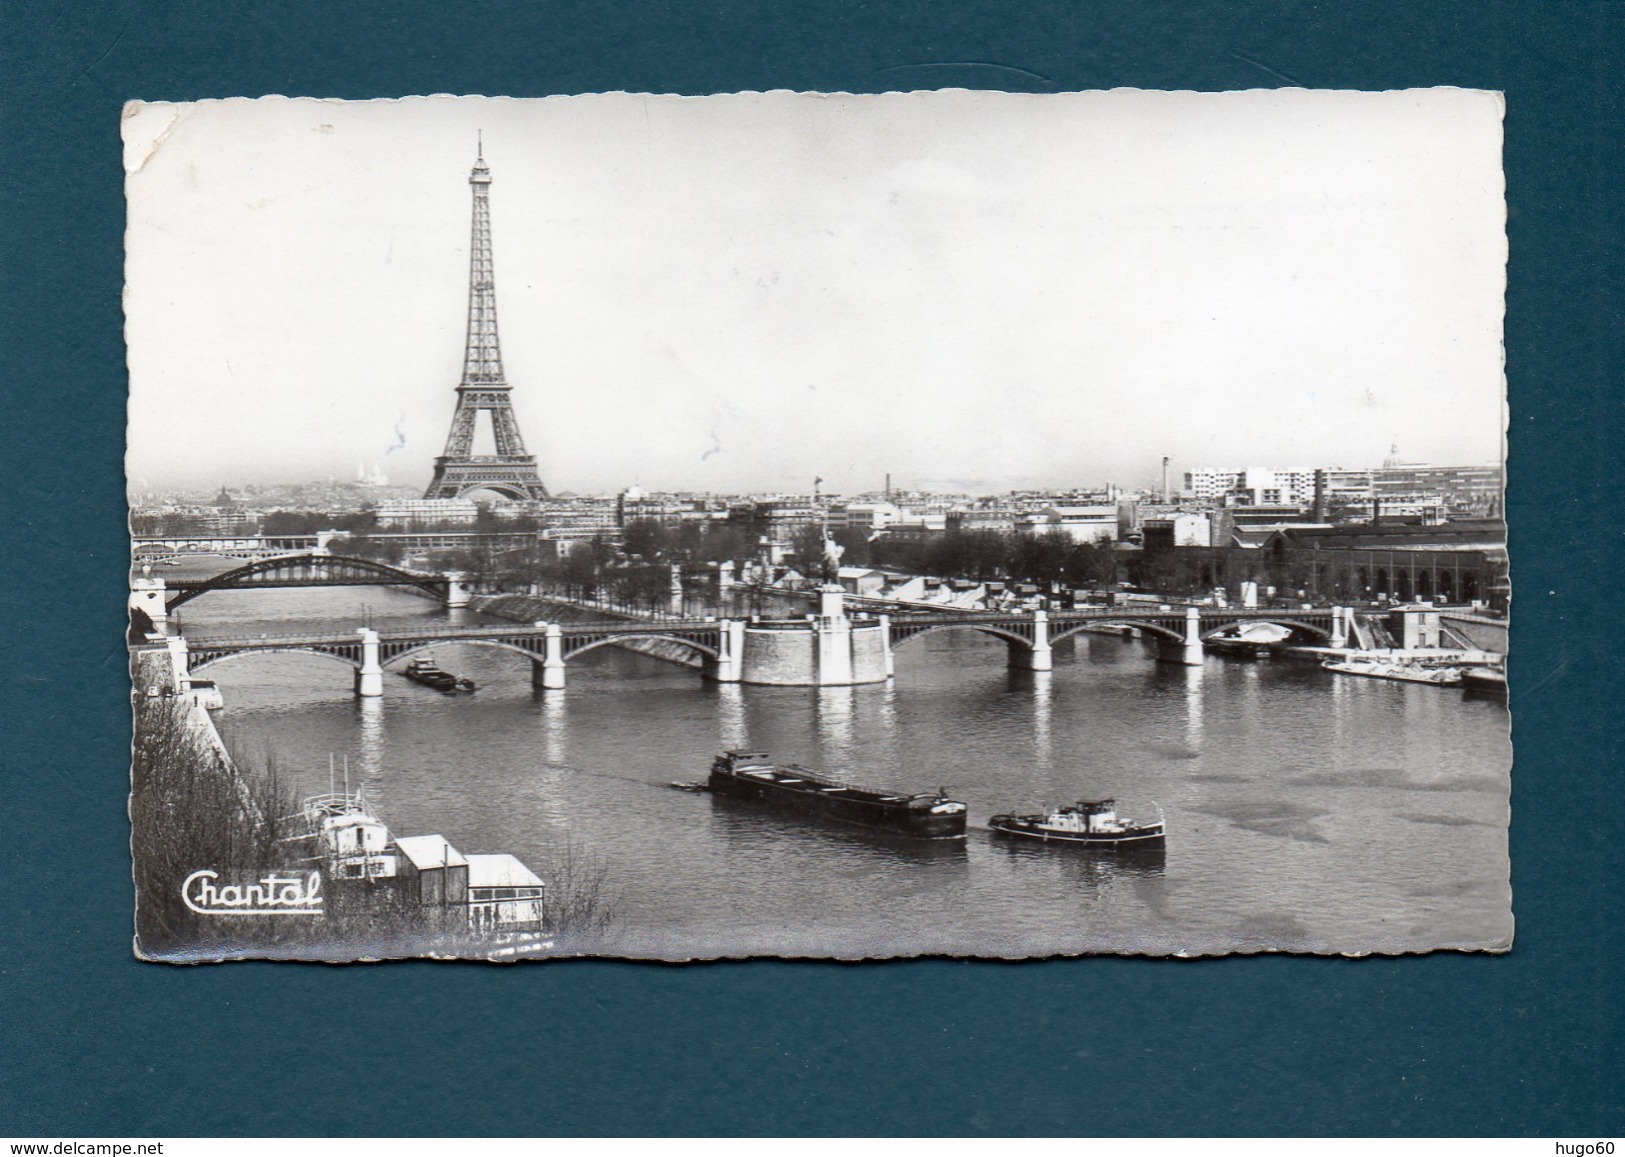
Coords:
271,895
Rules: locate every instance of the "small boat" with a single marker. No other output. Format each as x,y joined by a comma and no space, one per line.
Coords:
1403,672
753,776
1089,821
424,671
692,786
1248,641
1485,681
1237,648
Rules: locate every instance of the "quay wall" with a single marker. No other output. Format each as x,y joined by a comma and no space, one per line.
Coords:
1487,636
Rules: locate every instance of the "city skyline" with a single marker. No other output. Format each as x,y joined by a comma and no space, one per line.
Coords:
737,294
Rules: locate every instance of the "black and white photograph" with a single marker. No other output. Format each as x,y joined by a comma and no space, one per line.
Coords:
815,525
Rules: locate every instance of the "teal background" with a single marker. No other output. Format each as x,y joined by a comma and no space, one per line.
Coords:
95,1043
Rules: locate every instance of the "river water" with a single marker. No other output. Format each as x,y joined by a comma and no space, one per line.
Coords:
1306,811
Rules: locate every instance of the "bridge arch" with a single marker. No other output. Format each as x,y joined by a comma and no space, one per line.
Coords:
701,649
1160,630
343,569
1314,629
899,638
391,655
195,664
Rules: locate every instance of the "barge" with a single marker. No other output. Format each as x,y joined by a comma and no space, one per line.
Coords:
1089,821
424,671
1403,672
753,776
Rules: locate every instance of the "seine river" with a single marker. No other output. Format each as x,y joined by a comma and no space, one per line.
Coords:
1306,811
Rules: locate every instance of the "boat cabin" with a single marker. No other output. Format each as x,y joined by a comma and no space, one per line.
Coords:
356,845
746,760
1087,815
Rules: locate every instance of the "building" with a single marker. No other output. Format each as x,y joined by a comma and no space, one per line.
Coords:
778,519
1181,528
1079,523
1258,485
503,894
866,517
409,512
1001,520
1457,562
431,871
1465,489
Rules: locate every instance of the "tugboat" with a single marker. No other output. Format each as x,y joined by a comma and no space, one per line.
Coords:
424,671
753,776
1089,821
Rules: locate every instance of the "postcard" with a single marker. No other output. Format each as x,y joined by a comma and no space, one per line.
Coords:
929,523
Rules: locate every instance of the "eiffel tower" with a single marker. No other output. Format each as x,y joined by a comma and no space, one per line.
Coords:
510,471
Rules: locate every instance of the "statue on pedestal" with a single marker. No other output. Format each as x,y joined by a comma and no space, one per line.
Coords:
832,558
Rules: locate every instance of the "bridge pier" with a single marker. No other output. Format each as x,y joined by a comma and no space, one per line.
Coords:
1038,657
1340,626
180,663
1186,652
885,646
456,590
726,667
369,680
148,596
549,673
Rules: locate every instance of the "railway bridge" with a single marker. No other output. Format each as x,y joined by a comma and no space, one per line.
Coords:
159,597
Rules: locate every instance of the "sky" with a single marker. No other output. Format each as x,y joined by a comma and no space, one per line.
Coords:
971,291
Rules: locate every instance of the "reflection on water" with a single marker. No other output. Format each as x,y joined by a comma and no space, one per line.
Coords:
1091,869
731,729
746,825
555,724
370,737
834,707
1303,809
1194,682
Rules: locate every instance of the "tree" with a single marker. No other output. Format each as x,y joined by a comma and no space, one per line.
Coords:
807,544
647,538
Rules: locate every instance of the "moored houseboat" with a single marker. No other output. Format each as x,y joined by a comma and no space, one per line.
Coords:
350,842
1091,821
753,776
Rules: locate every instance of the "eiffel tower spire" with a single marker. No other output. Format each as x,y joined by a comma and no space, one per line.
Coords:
510,470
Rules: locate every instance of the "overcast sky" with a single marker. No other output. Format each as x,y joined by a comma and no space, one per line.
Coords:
971,290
